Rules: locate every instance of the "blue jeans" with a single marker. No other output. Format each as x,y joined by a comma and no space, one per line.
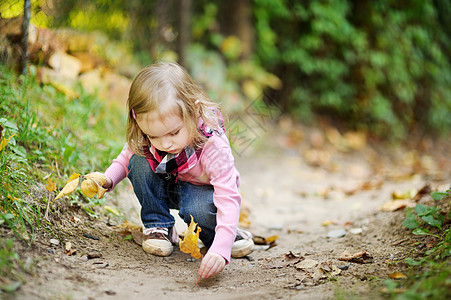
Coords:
158,193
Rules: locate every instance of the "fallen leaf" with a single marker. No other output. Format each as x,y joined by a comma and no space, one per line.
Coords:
307,264
329,222
189,242
259,240
4,142
395,205
71,185
359,257
406,195
51,185
329,269
283,261
356,140
396,275
130,228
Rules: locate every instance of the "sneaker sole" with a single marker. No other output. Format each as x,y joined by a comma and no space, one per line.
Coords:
245,250
158,250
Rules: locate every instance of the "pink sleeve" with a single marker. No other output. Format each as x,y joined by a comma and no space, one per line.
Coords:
218,163
118,169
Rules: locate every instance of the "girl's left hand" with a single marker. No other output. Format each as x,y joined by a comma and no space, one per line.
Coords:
212,264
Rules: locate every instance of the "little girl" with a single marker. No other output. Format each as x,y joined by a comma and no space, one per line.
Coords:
178,156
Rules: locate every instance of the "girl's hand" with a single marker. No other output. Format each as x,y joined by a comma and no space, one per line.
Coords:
108,184
212,264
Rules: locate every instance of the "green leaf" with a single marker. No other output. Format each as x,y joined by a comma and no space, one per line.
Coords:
410,221
421,231
423,210
412,262
432,221
12,287
437,196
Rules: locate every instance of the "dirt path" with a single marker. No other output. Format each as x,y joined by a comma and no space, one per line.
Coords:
287,198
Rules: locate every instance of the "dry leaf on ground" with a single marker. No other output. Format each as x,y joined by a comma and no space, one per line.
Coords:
397,275
51,185
359,257
395,205
134,230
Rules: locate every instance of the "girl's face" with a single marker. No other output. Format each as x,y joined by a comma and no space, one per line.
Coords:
166,133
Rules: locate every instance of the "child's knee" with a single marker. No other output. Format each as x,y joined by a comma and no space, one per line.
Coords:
139,167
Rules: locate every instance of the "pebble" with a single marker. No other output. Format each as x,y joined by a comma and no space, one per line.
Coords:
54,242
344,267
51,251
336,233
356,230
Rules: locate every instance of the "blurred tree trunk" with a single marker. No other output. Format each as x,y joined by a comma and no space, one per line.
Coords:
235,18
140,33
443,8
184,30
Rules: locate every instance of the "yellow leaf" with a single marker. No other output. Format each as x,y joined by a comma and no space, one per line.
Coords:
89,187
101,192
51,185
130,226
70,186
4,142
189,242
73,176
271,239
397,275
97,177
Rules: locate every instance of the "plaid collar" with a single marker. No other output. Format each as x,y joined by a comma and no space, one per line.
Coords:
180,163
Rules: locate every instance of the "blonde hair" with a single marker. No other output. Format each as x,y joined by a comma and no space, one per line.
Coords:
167,88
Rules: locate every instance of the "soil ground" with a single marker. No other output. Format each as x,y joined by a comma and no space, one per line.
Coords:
287,195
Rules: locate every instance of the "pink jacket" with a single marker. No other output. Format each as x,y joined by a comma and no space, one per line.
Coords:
215,167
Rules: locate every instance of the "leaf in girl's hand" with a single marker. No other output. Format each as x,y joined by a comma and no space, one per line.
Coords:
70,186
89,187
51,185
189,242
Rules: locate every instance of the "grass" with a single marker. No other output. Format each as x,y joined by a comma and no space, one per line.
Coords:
50,136
429,276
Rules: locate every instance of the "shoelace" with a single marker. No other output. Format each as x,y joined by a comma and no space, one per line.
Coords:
173,238
244,234
151,230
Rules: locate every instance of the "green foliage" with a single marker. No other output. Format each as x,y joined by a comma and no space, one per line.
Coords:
51,135
433,282
9,260
379,65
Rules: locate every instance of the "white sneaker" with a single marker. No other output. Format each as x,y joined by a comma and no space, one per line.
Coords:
243,245
158,241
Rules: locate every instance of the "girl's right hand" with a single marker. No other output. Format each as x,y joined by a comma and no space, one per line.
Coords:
212,264
108,184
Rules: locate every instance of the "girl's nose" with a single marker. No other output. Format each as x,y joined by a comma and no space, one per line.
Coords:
166,143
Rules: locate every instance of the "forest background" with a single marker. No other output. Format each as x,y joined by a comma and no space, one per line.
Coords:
378,66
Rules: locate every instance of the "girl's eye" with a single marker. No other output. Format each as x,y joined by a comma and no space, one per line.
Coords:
175,132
